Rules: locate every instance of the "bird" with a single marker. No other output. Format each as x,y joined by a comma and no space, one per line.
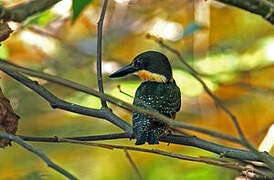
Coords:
158,91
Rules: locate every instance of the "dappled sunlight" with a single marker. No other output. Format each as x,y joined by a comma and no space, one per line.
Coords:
122,1
38,41
166,29
270,50
189,85
268,142
62,8
218,63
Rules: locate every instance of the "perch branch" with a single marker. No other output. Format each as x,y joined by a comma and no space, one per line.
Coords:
99,52
36,151
193,141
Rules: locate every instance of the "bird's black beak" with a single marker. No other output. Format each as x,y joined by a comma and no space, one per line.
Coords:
123,71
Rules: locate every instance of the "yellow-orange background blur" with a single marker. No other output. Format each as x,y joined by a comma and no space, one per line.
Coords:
231,48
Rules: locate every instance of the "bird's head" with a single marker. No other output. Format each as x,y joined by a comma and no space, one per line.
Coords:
150,65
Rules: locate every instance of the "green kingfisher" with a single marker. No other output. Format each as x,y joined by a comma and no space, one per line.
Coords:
158,91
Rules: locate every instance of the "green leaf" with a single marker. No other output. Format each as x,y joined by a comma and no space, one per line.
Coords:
78,6
42,19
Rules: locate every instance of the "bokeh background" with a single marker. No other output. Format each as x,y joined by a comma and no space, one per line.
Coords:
232,49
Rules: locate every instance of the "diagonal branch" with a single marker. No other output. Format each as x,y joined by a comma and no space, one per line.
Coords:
99,52
36,151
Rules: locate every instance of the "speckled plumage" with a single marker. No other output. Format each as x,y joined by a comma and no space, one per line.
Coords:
165,98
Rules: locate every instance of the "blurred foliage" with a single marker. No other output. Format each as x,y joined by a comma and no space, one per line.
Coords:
33,176
78,6
4,52
232,49
41,19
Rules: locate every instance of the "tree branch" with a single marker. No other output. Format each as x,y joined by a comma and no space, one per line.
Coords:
99,52
23,11
263,8
36,151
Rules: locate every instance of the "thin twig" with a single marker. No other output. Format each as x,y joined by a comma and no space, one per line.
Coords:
9,67
99,52
39,153
235,166
133,165
179,131
123,92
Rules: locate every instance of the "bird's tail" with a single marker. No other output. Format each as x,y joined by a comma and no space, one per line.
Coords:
151,136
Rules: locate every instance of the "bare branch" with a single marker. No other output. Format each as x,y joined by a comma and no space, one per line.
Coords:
23,11
133,165
36,151
99,52
81,138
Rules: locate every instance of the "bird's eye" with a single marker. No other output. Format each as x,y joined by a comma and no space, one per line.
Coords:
137,64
